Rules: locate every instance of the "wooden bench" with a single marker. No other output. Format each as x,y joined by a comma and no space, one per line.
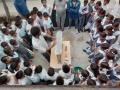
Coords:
65,57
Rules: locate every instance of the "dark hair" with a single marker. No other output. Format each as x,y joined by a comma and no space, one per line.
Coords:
105,46
17,18
98,20
110,56
35,31
103,35
5,23
104,65
39,13
30,20
13,42
60,80
100,28
95,69
51,71
4,30
111,17
13,67
33,12
114,51
103,78
99,3
4,59
66,68
45,14
26,63
19,74
35,9
7,50
109,28
4,44
38,69
3,80
91,82
42,1
116,24
28,71
85,73
12,33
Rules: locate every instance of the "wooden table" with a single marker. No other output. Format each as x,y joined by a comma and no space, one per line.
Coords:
65,57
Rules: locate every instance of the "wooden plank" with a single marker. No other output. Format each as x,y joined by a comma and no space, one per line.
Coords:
65,57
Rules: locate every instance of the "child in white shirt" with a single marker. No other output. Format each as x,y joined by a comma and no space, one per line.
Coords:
51,76
22,80
45,8
41,72
66,73
47,24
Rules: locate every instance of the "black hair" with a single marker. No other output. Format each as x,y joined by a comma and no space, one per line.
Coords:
18,18
30,20
5,23
4,44
95,69
66,68
28,71
99,3
110,56
35,31
100,28
91,82
104,65
105,46
85,74
35,9
59,80
26,63
19,74
33,12
4,30
51,71
39,14
38,69
103,35
4,59
42,1
3,80
13,67
13,42
103,78
45,14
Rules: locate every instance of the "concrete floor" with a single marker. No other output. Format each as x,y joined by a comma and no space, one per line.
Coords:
79,58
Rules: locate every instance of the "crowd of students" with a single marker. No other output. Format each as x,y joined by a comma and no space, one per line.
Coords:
36,32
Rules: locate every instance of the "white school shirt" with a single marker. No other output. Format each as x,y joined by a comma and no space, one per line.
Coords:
100,42
84,9
47,24
12,79
46,10
110,37
36,22
52,78
66,75
28,28
24,81
40,44
43,74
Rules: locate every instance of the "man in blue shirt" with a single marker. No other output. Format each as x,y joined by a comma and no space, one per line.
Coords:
73,7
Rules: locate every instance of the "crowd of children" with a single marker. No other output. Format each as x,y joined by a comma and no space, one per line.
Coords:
18,41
